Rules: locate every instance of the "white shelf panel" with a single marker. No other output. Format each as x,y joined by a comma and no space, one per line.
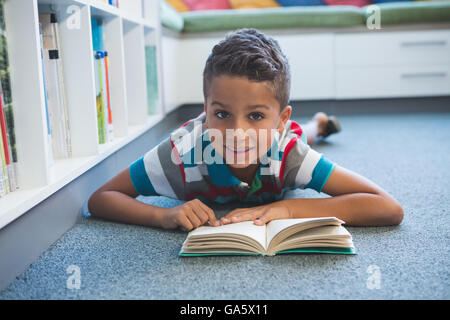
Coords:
125,41
16,203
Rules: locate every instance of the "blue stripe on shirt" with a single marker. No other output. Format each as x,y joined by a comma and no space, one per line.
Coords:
321,174
140,179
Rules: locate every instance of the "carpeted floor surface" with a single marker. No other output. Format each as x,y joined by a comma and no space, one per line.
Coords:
406,154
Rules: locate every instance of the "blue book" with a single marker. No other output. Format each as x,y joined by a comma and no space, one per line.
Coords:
97,34
49,133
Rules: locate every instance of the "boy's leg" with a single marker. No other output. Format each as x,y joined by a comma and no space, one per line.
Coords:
315,127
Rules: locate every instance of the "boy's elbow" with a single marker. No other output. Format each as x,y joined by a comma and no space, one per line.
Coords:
92,203
397,215
392,212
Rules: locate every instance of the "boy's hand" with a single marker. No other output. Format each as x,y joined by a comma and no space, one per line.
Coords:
260,214
188,216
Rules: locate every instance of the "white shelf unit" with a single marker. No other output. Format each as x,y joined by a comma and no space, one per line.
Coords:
126,34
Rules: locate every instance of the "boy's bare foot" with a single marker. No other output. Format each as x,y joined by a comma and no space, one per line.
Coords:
322,119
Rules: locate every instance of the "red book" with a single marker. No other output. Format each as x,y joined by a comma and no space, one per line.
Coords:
3,128
107,88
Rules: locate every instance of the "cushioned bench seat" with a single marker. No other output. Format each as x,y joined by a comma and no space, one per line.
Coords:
414,12
273,18
302,17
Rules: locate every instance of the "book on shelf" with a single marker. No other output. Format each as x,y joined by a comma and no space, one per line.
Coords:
104,113
114,3
99,97
109,126
56,93
47,115
152,78
4,183
305,235
9,149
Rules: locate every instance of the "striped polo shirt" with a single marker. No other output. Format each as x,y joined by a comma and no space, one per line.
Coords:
174,169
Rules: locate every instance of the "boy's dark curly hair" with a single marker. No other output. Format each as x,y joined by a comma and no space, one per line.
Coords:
251,54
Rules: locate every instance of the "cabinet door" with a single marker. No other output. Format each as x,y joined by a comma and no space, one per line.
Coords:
311,60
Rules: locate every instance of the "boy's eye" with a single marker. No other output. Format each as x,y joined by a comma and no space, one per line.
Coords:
221,114
256,116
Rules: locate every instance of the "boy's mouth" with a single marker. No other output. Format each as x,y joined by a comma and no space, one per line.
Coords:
239,151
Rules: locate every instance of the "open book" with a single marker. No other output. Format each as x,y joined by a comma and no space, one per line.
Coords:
317,235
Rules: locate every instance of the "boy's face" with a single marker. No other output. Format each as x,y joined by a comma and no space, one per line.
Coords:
246,115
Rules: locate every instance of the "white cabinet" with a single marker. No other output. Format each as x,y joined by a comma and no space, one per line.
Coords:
328,65
311,60
392,64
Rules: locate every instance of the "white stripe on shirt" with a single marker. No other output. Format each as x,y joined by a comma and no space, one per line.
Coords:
304,174
192,174
156,174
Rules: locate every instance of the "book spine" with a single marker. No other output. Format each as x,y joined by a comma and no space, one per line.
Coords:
99,98
110,126
5,152
9,147
9,179
62,87
97,34
152,78
49,133
55,104
104,96
3,173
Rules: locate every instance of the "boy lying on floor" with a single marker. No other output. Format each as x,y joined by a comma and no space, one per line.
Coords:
243,147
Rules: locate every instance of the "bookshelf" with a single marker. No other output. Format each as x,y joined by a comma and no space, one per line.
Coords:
127,33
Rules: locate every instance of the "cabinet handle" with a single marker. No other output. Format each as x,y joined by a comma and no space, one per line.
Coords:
424,75
439,43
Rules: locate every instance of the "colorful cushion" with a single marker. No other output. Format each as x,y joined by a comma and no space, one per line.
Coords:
357,3
383,1
178,5
250,4
170,18
294,3
207,4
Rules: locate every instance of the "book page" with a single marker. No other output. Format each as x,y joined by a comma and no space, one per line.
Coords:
246,228
276,226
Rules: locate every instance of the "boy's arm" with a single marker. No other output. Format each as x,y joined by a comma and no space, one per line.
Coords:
115,200
354,199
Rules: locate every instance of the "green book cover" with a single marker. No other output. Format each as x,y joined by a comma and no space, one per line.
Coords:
99,97
152,78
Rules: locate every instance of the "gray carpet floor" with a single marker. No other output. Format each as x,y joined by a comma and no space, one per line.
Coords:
406,154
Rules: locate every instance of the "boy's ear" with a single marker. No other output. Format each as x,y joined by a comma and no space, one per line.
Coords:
285,115
206,120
